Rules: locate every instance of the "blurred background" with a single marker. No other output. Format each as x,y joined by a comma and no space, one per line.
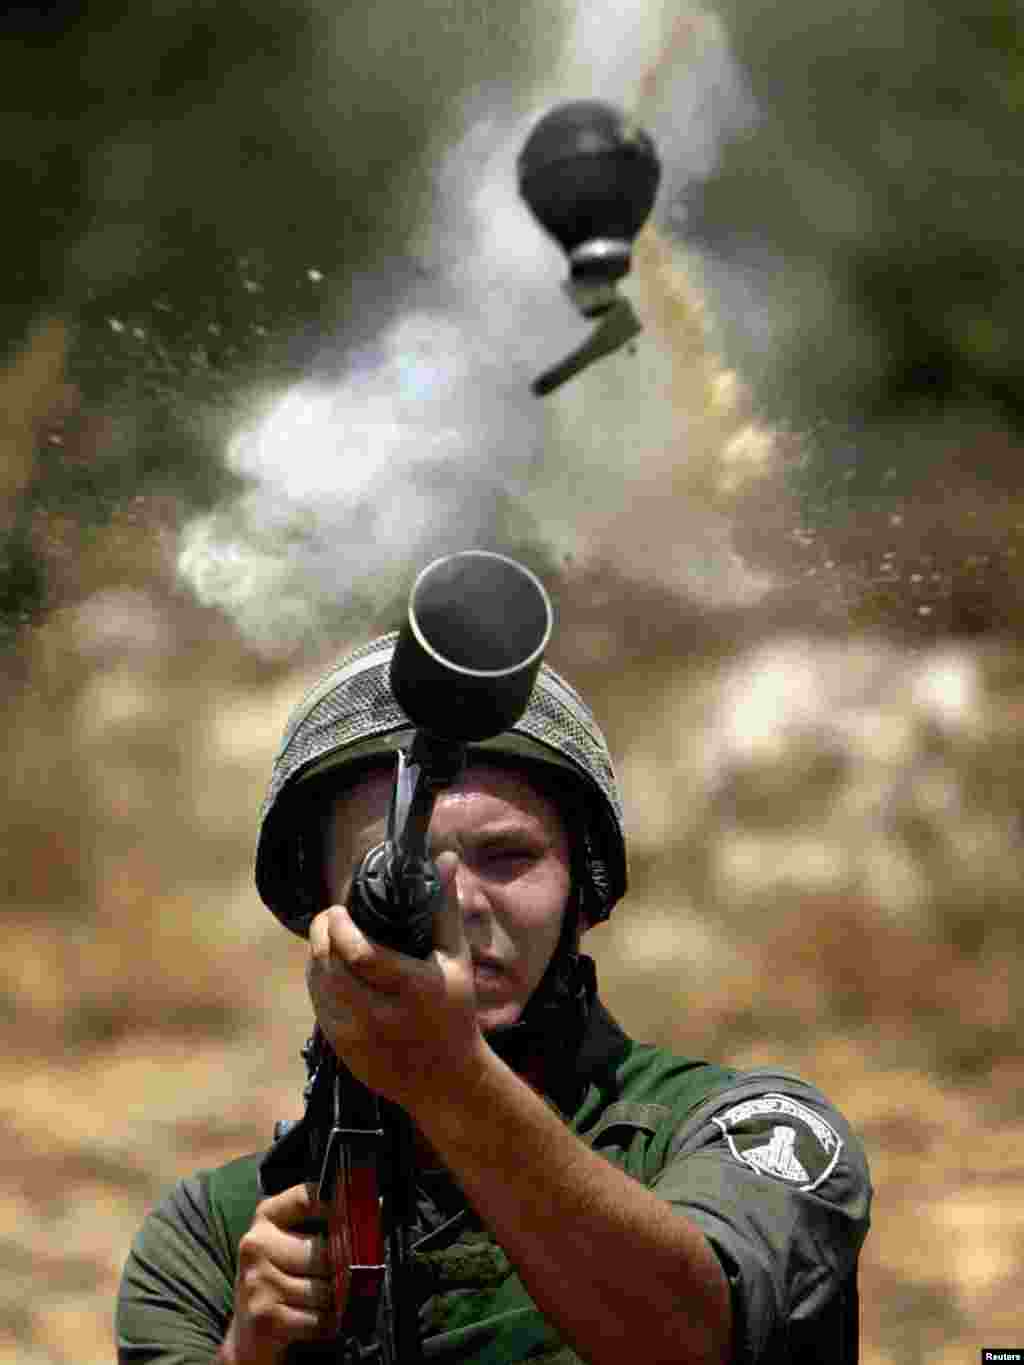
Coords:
271,311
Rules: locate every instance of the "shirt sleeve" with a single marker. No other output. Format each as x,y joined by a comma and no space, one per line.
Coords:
177,1290
778,1183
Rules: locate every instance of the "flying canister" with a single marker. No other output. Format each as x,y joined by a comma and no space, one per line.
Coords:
590,176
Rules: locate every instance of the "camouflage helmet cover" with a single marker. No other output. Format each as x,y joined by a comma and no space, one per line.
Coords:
350,717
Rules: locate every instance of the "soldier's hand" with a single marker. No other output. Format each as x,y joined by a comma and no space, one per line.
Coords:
283,1289
406,1028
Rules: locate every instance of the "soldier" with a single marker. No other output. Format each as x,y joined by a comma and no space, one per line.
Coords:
574,1195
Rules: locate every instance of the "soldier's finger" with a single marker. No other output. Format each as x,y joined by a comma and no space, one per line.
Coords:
309,1292
353,953
296,1205
298,1324
319,936
449,931
300,1253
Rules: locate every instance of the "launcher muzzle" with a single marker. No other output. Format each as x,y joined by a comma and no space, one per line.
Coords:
463,670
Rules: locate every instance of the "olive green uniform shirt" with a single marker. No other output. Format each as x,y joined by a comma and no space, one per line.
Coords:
760,1161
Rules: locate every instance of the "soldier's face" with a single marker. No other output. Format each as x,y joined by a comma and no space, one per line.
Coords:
512,877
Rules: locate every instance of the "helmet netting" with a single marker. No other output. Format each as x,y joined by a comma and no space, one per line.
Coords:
344,721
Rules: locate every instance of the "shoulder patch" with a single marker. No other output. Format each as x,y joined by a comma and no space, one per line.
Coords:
777,1135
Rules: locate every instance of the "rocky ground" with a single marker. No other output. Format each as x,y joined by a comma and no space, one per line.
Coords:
824,876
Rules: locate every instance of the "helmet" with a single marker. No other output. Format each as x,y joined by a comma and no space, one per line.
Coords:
350,718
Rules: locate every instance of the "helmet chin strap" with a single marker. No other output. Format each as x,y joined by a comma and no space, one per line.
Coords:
545,1039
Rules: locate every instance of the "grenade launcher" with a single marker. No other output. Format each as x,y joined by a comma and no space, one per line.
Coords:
462,670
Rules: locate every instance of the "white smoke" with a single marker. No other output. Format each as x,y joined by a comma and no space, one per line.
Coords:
424,438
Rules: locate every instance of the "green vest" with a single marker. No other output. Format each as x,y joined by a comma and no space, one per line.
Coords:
473,1307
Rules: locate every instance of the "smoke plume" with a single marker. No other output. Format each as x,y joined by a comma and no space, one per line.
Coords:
415,434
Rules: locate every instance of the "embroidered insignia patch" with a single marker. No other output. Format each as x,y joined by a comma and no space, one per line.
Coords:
777,1135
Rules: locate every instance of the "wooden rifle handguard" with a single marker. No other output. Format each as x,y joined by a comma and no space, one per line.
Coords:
350,1190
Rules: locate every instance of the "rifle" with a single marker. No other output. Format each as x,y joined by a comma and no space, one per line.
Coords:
462,670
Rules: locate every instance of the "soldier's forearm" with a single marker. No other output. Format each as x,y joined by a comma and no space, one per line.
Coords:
614,1268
